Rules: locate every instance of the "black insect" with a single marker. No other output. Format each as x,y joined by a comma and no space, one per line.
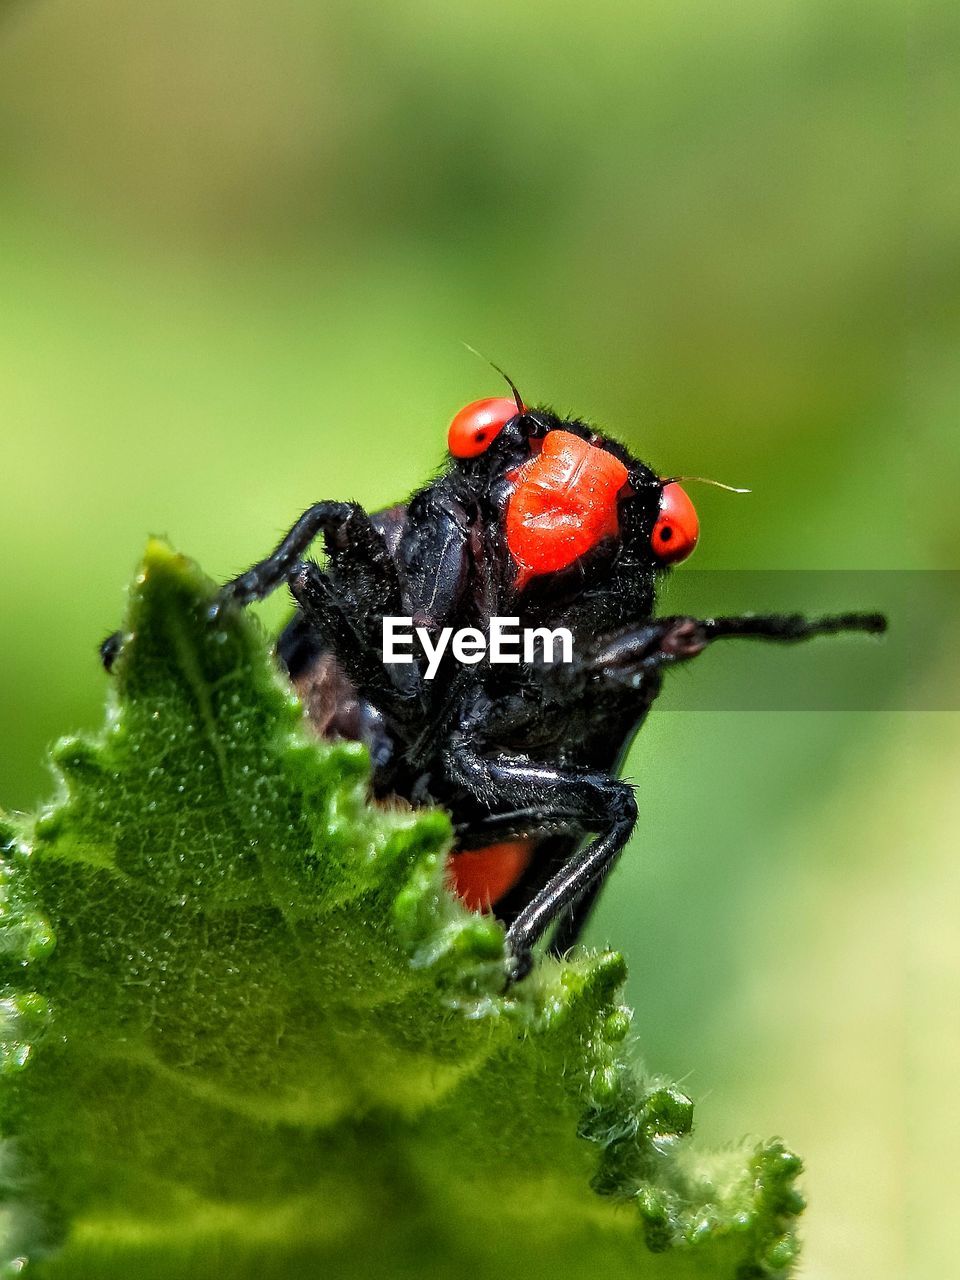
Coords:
536,518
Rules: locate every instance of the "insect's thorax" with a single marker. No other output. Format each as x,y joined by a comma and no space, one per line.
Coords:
542,536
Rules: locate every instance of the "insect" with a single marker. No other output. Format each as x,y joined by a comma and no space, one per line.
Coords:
538,518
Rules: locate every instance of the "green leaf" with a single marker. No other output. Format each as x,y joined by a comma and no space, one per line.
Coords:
249,1033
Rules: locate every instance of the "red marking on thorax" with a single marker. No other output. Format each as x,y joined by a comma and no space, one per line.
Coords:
564,504
482,876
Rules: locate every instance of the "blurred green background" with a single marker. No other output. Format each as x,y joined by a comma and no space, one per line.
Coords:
240,245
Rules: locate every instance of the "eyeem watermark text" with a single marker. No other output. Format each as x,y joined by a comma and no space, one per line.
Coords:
504,643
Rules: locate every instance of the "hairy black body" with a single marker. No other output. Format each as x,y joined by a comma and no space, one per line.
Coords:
513,752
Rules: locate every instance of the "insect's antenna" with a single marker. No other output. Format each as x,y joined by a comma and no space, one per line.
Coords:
521,407
717,484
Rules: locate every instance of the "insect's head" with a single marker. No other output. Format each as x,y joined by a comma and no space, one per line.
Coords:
567,491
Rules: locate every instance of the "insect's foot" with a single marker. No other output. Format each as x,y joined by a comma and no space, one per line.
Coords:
519,964
875,623
226,598
109,650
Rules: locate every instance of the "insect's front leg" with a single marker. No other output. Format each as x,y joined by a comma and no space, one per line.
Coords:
350,627
347,531
791,626
590,801
631,653
353,543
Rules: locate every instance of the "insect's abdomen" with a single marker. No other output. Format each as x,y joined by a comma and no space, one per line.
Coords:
481,877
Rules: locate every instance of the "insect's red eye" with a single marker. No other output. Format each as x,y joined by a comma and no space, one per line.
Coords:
677,529
475,427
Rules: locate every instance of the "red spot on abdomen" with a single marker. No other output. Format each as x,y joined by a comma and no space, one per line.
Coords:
564,504
481,877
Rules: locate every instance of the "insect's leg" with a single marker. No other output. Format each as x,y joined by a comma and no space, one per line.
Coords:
583,872
395,685
432,555
299,645
595,801
668,640
109,650
791,626
571,923
344,524
353,544
644,648
574,920
513,823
